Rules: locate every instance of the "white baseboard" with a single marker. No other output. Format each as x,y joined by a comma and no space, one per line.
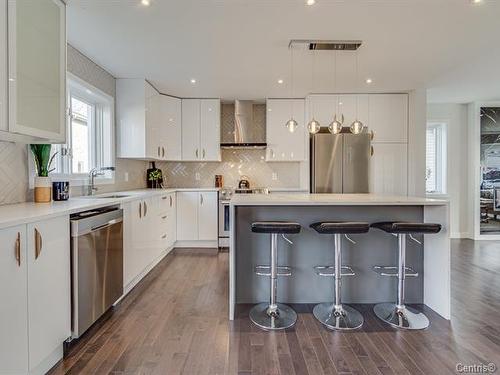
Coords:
127,288
184,244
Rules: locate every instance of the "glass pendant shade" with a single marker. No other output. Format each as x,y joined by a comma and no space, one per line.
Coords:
357,127
291,125
335,126
313,127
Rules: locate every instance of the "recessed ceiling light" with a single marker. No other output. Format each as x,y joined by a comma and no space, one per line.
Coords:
369,80
193,81
280,81
310,2
477,1
146,3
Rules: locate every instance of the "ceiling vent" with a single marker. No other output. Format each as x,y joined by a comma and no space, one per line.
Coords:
325,45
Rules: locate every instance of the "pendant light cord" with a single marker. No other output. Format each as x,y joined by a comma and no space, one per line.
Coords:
291,82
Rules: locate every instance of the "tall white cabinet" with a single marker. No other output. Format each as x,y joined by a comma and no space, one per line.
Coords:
386,116
283,145
35,289
33,89
201,130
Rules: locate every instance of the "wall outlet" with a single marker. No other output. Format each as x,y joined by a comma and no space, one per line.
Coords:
125,176
197,176
274,176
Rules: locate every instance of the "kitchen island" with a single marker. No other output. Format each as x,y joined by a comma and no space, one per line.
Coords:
431,259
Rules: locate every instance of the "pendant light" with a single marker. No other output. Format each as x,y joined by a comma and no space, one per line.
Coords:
357,126
291,124
313,126
335,126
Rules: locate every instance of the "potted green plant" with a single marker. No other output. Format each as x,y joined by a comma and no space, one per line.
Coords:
43,161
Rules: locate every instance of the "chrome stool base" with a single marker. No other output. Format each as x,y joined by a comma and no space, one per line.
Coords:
285,317
405,318
345,318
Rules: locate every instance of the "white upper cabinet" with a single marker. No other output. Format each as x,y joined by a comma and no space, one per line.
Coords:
282,145
148,123
37,68
191,118
170,127
210,129
201,130
388,117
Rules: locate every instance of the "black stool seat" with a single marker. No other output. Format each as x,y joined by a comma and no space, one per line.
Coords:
406,227
281,227
340,227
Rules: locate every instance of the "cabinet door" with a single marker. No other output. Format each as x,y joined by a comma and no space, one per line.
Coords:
208,216
282,144
210,130
191,129
187,215
14,306
353,107
389,169
48,287
3,66
37,68
388,117
152,115
170,128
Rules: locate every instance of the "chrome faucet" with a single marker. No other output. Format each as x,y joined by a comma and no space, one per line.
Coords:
94,172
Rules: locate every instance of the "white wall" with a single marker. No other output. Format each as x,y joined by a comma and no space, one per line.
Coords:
456,118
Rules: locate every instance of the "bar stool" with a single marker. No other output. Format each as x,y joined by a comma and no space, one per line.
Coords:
335,315
274,315
398,314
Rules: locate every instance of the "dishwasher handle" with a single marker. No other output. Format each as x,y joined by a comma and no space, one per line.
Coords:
106,225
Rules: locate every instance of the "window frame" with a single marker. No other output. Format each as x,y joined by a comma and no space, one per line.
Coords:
82,90
440,151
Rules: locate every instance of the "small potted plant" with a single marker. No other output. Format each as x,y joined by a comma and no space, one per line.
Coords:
43,162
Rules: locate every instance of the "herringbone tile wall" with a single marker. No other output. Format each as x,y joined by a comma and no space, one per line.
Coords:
13,173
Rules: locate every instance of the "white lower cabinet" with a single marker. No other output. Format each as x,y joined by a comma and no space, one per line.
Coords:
197,216
389,169
35,291
149,231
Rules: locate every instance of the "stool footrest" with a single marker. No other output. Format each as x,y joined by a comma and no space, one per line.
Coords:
263,270
329,271
393,271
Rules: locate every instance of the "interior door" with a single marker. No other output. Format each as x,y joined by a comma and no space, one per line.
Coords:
48,287
326,163
207,216
191,129
356,163
37,68
210,129
14,306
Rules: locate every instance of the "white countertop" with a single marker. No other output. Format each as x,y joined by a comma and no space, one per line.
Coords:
28,212
332,199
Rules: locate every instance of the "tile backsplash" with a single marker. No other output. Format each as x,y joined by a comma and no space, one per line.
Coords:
234,164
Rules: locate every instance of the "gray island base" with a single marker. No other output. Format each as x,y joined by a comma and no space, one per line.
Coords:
431,259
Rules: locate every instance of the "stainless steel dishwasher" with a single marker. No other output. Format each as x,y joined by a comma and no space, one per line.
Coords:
96,265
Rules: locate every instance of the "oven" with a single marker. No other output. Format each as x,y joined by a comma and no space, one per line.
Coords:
224,223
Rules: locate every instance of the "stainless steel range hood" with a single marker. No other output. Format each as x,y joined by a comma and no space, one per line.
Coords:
246,134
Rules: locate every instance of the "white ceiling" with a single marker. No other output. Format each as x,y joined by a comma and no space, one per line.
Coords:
238,48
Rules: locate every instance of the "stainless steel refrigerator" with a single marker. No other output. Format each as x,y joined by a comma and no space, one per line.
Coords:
340,162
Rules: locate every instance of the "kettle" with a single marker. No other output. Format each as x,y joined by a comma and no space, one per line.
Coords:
244,183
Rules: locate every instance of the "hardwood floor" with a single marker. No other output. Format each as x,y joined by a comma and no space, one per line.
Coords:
175,322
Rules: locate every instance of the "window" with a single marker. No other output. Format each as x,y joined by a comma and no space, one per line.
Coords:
435,176
89,133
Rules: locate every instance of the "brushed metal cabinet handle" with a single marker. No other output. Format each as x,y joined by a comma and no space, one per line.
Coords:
145,209
163,198
371,151
201,198
196,153
38,243
164,236
372,135
18,249
163,152
203,153
170,201
140,210
158,150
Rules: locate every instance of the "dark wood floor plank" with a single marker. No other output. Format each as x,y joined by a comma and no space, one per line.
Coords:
175,322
